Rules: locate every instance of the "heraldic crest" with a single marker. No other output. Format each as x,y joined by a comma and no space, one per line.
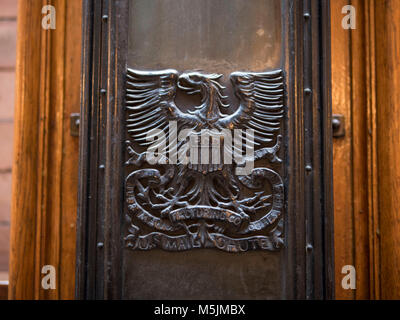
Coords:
203,178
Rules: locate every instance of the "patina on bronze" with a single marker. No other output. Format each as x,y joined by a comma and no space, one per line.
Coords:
209,38
187,206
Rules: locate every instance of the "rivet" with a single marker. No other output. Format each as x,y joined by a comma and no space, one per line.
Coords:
309,247
307,15
335,123
101,166
100,245
103,91
105,17
308,168
308,91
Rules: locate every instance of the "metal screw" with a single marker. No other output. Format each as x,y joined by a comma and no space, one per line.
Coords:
308,91
103,91
100,245
105,17
306,15
308,168
74,124
338,126
309,247
335,123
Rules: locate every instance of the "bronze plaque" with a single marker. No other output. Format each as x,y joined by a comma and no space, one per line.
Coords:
228,53
200,202
208,151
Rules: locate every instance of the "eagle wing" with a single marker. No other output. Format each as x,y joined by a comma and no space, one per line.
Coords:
150,103
261,108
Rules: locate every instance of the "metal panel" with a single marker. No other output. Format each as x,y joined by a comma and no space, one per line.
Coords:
221,37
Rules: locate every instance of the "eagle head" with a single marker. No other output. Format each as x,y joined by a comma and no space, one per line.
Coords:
210,90
196,82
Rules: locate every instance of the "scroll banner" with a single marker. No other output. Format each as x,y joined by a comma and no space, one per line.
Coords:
205,212
192,241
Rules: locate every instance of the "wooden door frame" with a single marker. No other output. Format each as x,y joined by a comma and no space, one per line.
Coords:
364,72
44,201
367,204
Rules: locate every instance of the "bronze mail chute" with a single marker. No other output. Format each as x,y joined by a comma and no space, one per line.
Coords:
185,69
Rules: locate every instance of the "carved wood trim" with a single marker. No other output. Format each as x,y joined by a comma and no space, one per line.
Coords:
373,182
373,229
44,175
386,221
355,155
341,97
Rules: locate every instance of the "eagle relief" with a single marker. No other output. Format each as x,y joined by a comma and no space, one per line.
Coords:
203,178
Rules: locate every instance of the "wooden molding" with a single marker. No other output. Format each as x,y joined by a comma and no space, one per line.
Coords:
372,143
359,150
342,168
366,177
45,155
355,155
387,152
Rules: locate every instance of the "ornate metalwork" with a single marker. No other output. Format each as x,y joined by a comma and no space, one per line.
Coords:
182,206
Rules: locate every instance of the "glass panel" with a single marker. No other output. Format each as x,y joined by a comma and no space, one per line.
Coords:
219,36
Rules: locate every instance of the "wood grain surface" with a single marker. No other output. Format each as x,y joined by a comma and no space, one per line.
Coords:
342,148
45,155
387,19
8,35
365,87
366,180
